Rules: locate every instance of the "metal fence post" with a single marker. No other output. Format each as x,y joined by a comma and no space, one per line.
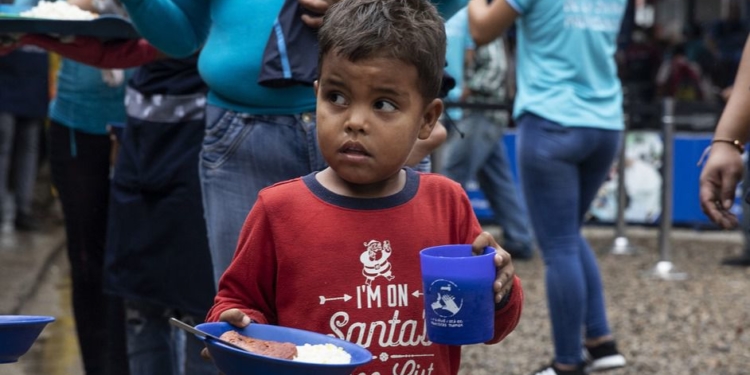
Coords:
664,268
621,244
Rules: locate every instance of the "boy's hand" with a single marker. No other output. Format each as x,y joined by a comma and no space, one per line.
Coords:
504,265
234,317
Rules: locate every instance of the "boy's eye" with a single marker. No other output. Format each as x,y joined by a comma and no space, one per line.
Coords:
336,98
383,105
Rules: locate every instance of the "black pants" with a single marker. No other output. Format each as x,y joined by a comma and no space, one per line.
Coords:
80,172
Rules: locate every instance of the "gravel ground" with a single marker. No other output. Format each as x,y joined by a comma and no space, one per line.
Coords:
697,326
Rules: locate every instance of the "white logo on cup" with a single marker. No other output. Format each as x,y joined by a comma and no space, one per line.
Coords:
448,300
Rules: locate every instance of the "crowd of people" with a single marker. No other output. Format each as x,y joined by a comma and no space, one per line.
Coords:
696,65
183,159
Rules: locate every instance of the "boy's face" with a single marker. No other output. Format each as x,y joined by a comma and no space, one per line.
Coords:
369,115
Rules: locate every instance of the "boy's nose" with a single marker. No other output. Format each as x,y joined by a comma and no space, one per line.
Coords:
357,121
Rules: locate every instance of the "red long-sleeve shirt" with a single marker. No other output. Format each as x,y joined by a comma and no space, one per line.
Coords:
346,267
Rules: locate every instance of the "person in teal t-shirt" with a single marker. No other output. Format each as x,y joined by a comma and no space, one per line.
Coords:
568,110
80,166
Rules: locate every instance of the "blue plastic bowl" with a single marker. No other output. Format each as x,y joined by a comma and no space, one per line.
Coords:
233,361
18,333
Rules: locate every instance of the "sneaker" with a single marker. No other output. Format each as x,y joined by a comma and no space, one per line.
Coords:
551,370
738,261
26,223
603,357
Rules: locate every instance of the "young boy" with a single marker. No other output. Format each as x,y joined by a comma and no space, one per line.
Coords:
337,251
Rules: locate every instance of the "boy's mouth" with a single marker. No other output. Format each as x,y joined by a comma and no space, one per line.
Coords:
353,148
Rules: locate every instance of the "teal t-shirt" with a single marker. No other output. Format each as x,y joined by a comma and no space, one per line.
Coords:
233,36
566,70
84,101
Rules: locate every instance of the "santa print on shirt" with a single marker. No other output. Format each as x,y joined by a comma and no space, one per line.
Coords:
346,267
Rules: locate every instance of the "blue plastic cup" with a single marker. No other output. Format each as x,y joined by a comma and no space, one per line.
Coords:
458,294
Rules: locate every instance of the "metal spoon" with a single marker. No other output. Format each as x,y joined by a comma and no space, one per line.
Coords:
205,335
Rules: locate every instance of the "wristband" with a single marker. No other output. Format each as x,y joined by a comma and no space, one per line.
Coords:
734,142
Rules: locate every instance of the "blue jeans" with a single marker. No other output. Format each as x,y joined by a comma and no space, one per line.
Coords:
241,155
561,170
482,153
24,133
157,348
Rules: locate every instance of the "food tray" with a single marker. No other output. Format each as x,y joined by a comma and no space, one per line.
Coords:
103,27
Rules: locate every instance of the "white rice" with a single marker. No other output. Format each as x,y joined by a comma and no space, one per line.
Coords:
322,353
59,10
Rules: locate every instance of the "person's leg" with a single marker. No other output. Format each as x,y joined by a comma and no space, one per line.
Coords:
481,155
241,155
7,129
601,350
26,158
194,363
149,337
593,173
549,157
496,181
179,337
80,171
464,155
114,352
550,178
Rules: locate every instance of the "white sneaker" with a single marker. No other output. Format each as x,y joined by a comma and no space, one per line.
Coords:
551,370
603,357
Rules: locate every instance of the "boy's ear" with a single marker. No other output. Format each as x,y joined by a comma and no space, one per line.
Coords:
430,116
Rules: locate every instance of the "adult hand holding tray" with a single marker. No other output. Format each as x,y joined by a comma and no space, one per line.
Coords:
105,27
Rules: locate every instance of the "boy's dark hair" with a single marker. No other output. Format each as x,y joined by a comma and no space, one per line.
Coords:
408,30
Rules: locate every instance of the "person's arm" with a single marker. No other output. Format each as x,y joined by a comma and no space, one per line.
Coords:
83,4
425,147
469,54
248,283
116,54
447,8
177,27
723,169
510,75
9,43
489,21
